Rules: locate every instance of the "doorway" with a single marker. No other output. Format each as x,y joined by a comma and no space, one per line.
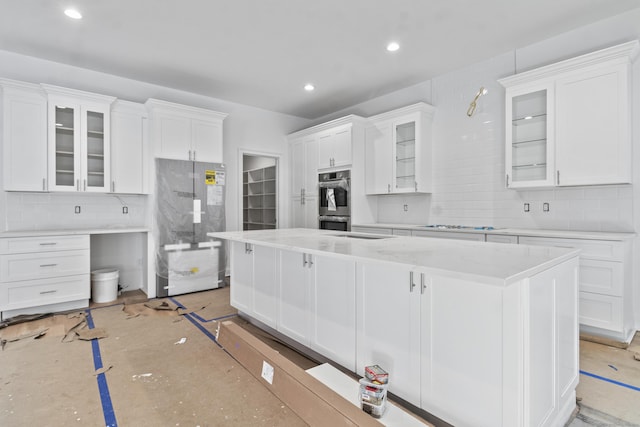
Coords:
259,192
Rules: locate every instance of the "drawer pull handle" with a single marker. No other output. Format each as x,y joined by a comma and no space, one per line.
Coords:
48,265
48,292
48,244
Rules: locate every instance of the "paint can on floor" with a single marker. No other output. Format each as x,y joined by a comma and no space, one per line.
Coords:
104,285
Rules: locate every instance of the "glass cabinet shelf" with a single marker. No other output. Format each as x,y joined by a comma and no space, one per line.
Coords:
533,165
525,120
530,141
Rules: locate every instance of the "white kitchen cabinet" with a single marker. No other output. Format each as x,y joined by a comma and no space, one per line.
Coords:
129,148
605,284
398,157
478,237
334,147
184,132
253,281
389,326
79,140
316,300
501,238
43,274
24,136
304,182
569,123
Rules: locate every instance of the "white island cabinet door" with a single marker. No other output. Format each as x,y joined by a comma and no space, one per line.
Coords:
333,318
293,317
388,326
265,285
242,277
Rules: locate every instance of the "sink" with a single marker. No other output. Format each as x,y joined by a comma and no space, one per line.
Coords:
360,236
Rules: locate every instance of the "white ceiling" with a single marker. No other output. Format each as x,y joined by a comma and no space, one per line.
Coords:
262,52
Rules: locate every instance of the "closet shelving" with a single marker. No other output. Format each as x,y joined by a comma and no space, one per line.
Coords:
259,192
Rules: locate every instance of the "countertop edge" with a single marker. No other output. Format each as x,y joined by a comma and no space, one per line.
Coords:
70,232
566,234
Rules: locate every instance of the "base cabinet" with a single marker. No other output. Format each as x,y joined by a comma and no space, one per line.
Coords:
317,296
44,274
253,281
605,284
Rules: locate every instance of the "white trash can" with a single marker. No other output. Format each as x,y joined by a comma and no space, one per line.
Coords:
104,285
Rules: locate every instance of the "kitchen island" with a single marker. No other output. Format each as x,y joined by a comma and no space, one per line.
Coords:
482,334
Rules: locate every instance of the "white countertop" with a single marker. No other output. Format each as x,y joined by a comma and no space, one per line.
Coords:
490,263
567,234
75,231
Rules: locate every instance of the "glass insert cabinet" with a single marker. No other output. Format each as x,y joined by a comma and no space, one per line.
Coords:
530,143
79,144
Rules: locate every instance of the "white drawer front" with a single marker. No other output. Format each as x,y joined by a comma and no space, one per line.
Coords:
373,230
44,291
401,232
497,238
595,249
43,265
19,245
601,277
601,311
449,235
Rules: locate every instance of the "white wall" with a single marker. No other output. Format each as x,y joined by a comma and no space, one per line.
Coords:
245,127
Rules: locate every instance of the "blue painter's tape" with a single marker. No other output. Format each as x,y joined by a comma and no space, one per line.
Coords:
202,328
103,388
609,380
201,319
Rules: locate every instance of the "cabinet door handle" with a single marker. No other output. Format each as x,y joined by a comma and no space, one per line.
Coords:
189,154
113,186
247,248
506,182
304,260
557,177
310,260
423,285
48,243
44,184
84,184
194,155
388,188
47,265
416,184
411,284
78,184
48,292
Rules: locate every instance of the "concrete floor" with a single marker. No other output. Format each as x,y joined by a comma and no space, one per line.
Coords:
165,369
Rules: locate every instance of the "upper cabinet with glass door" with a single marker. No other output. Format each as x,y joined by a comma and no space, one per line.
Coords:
568,123
398,156
529,159
79,143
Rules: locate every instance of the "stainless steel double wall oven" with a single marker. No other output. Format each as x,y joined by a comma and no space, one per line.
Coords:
335,200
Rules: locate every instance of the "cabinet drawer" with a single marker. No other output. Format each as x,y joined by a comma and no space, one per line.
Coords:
479,237
601,277
43,265
595,249
33,293
601,311
19,245
498,238
401,232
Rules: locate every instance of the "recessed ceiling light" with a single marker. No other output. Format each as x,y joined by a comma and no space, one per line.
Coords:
72,13
309,87
393,46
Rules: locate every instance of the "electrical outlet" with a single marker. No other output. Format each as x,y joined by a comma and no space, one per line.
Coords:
527,207
545,207
125,210
77,210
406,208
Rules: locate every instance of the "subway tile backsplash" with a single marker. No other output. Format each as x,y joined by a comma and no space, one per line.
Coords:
43,211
